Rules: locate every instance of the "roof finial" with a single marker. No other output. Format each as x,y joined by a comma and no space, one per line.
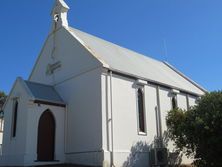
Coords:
59,14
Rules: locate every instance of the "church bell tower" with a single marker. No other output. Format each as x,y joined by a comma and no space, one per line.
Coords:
59,15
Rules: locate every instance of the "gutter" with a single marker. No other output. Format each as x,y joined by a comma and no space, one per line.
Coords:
152,82
39,101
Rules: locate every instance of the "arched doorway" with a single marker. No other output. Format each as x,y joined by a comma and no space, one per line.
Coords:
46,137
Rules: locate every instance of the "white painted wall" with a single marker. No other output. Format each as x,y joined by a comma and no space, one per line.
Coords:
182,101
192,100
22,149
1,137
165,103
74,58
14,148
34,113
83,131
78,82
82,95
1,129
126,138
125,123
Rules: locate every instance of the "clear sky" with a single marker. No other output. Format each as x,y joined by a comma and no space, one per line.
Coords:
191,29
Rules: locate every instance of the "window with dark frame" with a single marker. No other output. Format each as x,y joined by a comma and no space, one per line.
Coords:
141,114
15,113
174,102
1,124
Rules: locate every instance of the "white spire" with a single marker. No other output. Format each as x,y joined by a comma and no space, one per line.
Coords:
59,14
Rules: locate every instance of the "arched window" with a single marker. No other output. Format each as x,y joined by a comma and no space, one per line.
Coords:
14,120
141,114
174,102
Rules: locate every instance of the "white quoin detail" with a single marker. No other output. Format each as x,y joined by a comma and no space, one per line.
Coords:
59,15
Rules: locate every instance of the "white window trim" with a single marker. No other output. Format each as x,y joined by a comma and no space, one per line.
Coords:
144,112
14,100
171,100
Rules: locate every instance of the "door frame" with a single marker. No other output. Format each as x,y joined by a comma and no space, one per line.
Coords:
51,156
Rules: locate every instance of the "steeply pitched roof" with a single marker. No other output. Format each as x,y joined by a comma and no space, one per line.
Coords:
43,93
39,93
129,62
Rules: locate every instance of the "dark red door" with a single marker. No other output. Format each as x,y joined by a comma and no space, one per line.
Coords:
46,137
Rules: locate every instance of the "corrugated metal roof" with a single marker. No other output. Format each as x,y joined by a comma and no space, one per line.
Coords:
43,92
130,62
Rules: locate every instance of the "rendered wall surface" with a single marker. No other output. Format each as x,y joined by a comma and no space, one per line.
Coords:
192,100
78,83
89,130
34,113
22,149
14,147
166,105
73,57
1,129
1,137
82,95
129,146
84,133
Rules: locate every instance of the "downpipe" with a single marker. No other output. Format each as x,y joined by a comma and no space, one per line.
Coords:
111,112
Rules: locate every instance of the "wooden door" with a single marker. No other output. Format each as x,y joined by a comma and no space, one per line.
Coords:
46,137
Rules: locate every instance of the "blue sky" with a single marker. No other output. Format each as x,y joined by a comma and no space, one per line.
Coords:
192,31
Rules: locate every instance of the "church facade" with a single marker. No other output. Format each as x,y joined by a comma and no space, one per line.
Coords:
91,102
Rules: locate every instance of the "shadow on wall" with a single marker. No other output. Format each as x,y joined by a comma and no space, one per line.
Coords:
174,155
139,155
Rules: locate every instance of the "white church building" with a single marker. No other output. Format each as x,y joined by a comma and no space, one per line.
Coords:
90,102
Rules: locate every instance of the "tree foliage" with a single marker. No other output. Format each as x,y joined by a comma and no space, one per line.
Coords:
2,100
198,131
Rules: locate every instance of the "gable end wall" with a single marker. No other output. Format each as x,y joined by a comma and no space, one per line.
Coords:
74,58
